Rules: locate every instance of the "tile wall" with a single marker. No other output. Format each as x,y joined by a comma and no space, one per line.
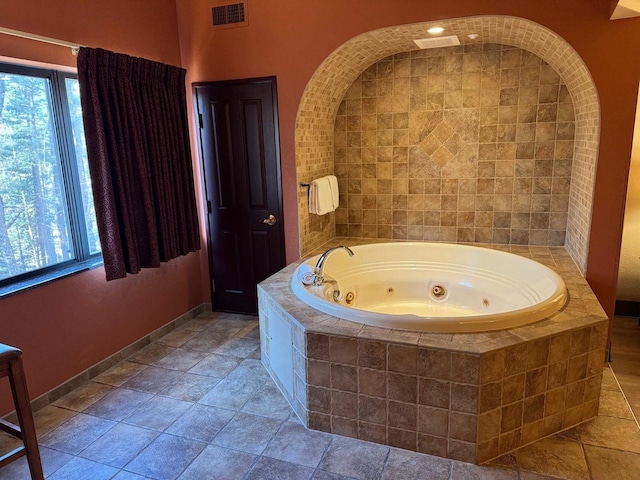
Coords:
319,105
464,144
469,407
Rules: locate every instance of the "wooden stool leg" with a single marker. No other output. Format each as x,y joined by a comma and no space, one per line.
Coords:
25,418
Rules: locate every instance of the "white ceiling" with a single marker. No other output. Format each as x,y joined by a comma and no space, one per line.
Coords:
626,9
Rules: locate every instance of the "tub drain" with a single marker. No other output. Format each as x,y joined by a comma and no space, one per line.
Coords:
349,298
485,302
438,292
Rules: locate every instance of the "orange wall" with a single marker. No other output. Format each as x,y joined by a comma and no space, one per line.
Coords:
71,324
290,39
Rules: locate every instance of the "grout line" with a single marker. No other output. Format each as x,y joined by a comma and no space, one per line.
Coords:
253,465
586,460
635,419
322,457
386,460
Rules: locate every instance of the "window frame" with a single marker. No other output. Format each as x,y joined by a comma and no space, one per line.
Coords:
63,134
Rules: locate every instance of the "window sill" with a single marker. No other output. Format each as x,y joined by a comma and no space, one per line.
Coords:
50,277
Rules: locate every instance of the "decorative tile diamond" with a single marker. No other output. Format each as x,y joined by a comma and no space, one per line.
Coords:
442,156
454,143
443,131
443,143
430,144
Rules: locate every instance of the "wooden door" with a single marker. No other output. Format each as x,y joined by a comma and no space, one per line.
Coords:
240,150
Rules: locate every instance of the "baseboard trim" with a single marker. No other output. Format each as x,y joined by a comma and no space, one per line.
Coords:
627,308
104,365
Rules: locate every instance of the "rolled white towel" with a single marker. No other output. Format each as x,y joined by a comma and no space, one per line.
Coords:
305,274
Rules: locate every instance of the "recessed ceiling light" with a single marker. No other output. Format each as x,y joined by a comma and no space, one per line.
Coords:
473,36
435,30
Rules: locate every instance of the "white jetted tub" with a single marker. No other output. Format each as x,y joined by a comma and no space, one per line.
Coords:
431,287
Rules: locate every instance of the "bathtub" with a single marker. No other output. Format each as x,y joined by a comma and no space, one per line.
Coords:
432,287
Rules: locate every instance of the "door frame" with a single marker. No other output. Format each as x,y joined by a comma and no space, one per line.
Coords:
272,81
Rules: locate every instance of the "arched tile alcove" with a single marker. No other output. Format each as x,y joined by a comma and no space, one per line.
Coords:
327,87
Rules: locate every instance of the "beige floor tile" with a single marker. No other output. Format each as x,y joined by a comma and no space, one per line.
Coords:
295,444
215,365
270,469
118,403
177,338
166,457
8,443
467,471
508,461
82,469
609,380
230,463
554,457
153,379
119,445
239,347
190,387
268,402
206,341
51,460
197,324
354,458
535,476
83,396
248,433
158,413
120,373
404,464
630,383
201,422
603,462
180,359
611,432
51,417
613,404
151,354
124,475
76,434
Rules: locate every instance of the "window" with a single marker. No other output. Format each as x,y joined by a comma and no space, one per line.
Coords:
47,219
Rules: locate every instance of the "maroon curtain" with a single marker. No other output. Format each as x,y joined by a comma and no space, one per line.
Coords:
135,122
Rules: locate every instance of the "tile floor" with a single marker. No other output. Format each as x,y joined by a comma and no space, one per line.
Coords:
197,404
625,358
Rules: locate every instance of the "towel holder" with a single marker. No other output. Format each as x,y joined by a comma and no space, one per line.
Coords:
305,185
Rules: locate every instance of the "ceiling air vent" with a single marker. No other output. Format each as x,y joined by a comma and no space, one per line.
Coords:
437,42
229,15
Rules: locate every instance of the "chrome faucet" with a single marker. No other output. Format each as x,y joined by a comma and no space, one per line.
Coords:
318,272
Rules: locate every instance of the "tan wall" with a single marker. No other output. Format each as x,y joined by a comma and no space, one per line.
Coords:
466,144
629,274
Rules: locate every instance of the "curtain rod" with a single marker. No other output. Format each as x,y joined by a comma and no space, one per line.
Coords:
39,38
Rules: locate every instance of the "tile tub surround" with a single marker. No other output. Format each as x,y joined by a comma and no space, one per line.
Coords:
469,397
461,144
319,104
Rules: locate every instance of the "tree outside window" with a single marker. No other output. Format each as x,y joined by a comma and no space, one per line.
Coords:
47,220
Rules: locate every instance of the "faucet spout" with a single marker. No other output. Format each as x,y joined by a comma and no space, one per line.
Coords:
318,271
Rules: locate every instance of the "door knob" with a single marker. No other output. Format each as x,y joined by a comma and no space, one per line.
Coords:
270,220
